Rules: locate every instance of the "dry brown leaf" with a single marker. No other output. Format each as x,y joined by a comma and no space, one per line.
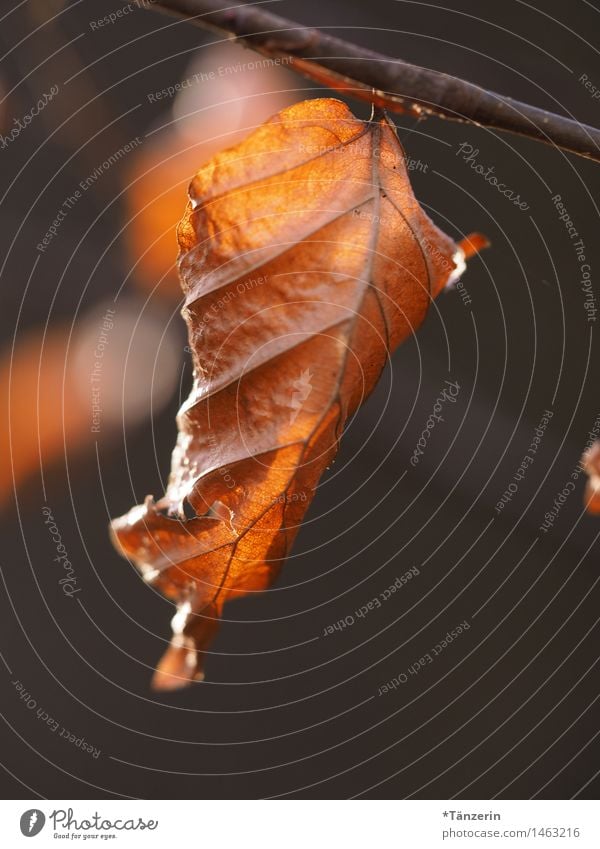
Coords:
305,260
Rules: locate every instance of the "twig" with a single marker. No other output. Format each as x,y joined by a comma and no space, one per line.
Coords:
387,82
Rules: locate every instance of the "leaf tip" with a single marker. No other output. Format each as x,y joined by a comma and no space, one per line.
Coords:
178,666
473,244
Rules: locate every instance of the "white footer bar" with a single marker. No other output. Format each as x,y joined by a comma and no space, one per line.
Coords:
302,824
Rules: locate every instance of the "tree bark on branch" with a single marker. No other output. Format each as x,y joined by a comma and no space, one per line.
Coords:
387,82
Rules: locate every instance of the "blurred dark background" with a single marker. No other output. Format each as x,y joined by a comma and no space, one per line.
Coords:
509,708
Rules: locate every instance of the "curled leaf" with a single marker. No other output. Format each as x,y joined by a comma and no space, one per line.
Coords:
305,260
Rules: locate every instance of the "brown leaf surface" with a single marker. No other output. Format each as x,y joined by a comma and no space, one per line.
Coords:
305,260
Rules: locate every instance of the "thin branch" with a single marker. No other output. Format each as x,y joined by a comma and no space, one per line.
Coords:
387,82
